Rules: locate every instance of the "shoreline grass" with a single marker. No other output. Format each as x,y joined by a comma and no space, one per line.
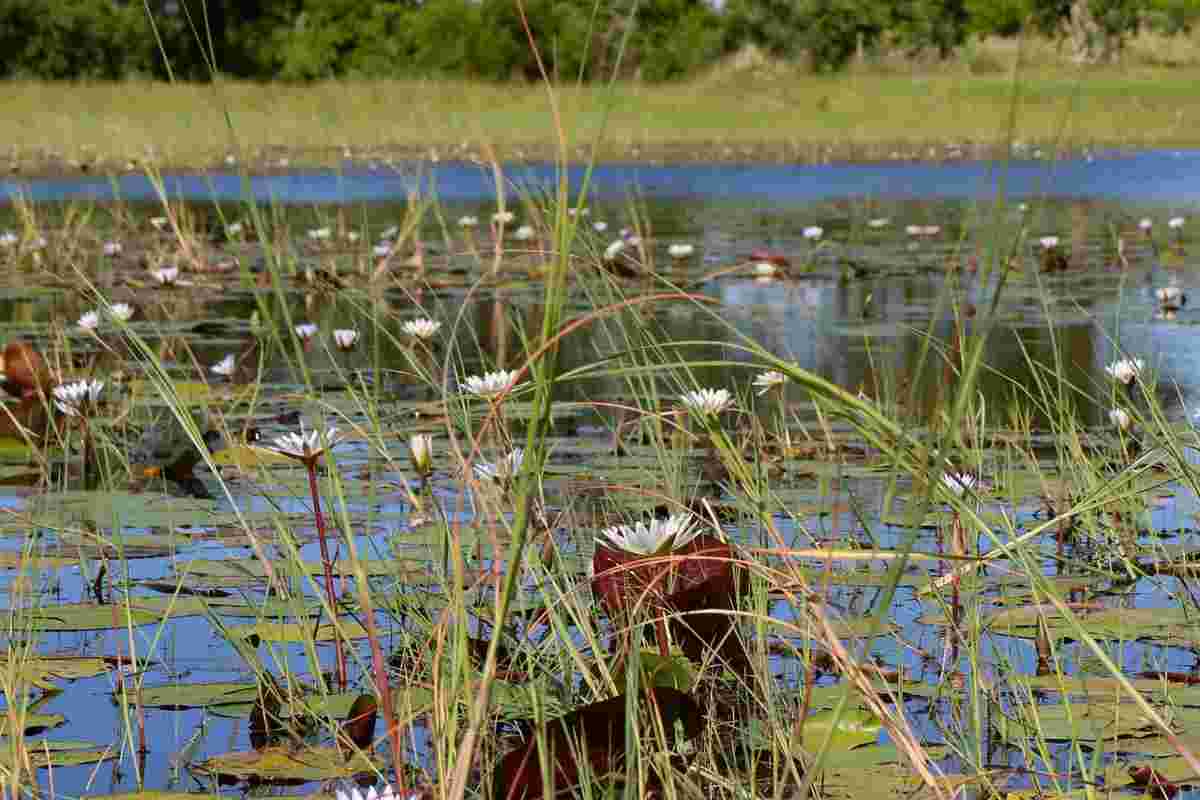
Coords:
54,128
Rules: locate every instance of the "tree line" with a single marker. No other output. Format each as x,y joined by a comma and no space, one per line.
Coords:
654,40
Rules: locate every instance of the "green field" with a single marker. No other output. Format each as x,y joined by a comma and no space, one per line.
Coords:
779,116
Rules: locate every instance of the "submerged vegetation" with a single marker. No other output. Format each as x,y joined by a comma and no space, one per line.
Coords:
482,513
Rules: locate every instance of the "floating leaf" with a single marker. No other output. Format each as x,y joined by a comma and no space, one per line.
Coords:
89,617
299,632
197,695
288,765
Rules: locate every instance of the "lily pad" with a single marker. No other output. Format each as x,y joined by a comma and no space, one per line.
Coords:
90,617
286,765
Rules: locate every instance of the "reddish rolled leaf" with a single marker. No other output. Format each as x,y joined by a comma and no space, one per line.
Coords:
598,731
1155,785
701,576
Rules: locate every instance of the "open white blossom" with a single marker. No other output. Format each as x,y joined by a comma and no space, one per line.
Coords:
1175,223
421,328
504,469
382,250
1121,419
814,232
305,445
345,338
681,251
225,367
491,384
306,330
420,448
503,217
657,537
878,222
113,249
76,399
1146,224
319,234
1125,370
1049,242
166,276
765,269
707,402
121,311
959,482
524,233
600,226
386,793
234,229
468,222
89,321
766,381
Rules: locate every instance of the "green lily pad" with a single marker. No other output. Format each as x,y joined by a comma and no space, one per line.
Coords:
285,765
118,509
42,671
198,695
89,617
294,632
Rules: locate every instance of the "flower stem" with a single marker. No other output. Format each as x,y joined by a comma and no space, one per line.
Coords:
327,566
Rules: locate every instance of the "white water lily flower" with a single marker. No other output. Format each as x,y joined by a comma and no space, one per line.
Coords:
89,321
234,229
492,384
600,226
1175,223
707,402
504,469
420,449
1121,419
1049,242
421,328
659,536
225,367
121,311
468,222
1125,370
159,223
814,232
382,250
165,276
386,793
524,233
1170,296
766,381
1146,224
878,222
765,269
113,249
503,217
75,399
304,446
318,234
613,250
681,251
959,482
306,330
345,338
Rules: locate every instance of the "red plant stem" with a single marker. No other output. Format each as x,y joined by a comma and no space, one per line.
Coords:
383,687
327,566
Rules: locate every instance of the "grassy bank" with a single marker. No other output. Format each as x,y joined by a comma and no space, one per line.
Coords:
765,114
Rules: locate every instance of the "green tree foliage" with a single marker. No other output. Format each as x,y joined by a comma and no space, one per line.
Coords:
829,31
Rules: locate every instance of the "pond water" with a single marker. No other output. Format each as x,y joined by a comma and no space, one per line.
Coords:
869,307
